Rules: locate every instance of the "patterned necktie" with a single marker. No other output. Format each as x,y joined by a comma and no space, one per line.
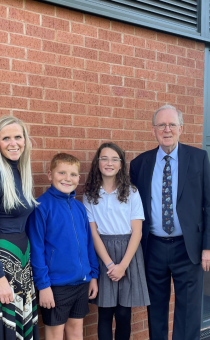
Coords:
167,203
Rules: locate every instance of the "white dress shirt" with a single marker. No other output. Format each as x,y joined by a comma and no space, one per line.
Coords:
156,193
113,217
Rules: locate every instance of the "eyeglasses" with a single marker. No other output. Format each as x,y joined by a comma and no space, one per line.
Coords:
112,160
172,126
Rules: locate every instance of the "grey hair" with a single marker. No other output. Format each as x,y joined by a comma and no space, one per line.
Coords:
10,197
165,107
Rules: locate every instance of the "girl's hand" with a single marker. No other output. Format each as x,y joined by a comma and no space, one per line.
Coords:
116,273
6,294
46,298
93,289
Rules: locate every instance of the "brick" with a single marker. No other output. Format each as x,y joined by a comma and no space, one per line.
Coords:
99,133
24,41
15,3
192,128
97,44
85,76
58,143
186,42
72,132
123,70
135,62
176,89
83,52
109,35
194,91
96,88
97,66
72,108
176,50
134,82
71,85
166,97
97,110
191,72
199,101
111,101
3,37
186,100
40,32
131,146
27,91
186,81
54,47
122,91
134,103
86,98
133,41
22,15
4,63
43,130
57,71
43,105
3,11
57,119
199,64
122,49
155,45
144,53
187,138
11,26
37,167
29,117
156,86
123,113
26,66
145,74
175,69
188,118
167,38
198,119
145,136
58,95
69,38
42,81
167,78
13,102
122,135
82,144
5,88
97,21
122,27
166,58
134,124
111,123
12,77
195,54
156,66
110,79
110,57
199,83
55,23
41,57
84,30
144,115
195,110
185,62
148,95
73,62
39,7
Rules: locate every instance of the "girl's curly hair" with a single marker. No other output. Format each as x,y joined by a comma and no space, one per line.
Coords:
94,180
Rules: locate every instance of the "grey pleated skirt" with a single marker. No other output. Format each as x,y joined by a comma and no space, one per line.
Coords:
130,290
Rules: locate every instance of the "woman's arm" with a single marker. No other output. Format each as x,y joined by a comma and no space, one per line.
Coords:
118,271
99,246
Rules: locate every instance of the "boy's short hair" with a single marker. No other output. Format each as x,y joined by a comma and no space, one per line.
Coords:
64,158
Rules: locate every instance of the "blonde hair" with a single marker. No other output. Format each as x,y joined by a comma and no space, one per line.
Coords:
64,158
10,198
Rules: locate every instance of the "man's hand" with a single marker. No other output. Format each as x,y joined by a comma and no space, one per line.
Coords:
46,298
93,289
116,272
6,294
206,260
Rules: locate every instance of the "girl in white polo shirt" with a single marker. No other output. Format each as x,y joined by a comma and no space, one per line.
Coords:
115,214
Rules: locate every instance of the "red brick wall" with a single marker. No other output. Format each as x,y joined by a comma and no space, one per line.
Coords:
78,80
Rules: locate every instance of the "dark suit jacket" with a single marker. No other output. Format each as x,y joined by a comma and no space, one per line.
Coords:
193,196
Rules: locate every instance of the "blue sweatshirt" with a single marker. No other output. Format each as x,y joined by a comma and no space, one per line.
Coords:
62,251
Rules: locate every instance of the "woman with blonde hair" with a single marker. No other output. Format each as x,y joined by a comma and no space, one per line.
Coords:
18,310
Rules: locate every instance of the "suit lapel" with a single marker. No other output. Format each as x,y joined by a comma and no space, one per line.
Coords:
183,159
148,171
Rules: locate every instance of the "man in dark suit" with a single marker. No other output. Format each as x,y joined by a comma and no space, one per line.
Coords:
174,183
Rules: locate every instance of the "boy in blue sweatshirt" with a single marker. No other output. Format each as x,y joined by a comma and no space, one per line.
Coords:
63,259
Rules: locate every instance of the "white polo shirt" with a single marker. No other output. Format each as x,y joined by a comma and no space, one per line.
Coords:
113,217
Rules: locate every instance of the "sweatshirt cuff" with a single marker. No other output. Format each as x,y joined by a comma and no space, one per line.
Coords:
43,286
94,275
